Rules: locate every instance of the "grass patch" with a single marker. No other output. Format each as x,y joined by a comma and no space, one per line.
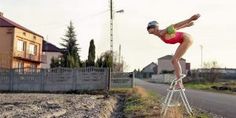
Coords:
121,90
208,86
142,103
201,86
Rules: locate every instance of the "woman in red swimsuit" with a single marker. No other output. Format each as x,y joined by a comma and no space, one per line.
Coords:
169,36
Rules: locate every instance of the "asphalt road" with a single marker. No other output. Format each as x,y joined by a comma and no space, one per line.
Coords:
217,103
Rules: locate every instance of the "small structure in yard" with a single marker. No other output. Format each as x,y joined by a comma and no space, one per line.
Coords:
51,51
147,71
164,64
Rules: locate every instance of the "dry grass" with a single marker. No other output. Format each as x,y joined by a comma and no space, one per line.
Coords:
140,91
174,112
144,104
140,103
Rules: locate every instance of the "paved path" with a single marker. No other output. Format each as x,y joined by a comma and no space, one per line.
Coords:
220,104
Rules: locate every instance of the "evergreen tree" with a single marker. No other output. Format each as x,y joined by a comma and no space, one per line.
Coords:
55,62
105,60
71,56
91,54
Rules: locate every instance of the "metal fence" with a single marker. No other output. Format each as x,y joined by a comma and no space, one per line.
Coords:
219,73
62,79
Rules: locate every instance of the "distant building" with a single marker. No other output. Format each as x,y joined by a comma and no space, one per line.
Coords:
188,68
148,70
50,51
19,46
164,64
153,70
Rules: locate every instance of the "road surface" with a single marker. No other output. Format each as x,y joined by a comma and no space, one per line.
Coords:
220,104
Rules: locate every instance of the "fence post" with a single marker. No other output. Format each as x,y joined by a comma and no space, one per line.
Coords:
109,79
132,80
107,82
11,77
42,80
75,75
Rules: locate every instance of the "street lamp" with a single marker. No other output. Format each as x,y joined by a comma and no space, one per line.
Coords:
120,11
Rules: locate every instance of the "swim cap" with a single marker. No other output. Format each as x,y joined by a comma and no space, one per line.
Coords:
152,24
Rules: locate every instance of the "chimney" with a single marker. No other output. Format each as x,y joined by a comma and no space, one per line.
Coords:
1,14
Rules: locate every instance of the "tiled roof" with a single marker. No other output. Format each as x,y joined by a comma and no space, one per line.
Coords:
4,22
48,47
150,65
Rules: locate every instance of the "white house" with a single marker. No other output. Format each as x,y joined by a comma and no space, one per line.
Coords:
50,51
164,64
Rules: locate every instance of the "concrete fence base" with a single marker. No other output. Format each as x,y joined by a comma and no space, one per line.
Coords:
56,79
62,79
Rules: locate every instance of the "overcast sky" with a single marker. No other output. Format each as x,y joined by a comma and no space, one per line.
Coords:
214,30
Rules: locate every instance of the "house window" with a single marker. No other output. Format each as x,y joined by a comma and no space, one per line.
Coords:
20,45
20,66
32,49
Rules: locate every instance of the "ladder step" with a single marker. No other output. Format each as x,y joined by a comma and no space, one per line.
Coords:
175,90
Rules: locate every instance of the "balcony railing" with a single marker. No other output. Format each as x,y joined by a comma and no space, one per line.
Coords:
30,57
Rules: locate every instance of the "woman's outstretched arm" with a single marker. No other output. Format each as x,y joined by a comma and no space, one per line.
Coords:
186,23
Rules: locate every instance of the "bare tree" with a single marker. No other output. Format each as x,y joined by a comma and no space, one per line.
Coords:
212,75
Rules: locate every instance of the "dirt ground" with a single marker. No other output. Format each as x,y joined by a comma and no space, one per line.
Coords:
30,105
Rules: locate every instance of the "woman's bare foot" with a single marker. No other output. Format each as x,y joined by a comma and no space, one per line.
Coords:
179,85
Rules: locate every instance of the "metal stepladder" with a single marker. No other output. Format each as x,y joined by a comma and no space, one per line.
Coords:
172,89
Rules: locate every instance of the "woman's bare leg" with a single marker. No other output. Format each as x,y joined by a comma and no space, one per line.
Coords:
183,47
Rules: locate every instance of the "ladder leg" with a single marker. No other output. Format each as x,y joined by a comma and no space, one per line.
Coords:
172,84
187,102
170,97
165,102
168,102
184,102
167,96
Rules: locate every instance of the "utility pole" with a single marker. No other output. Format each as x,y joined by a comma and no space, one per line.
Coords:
111,28
119,53
111,31
201,46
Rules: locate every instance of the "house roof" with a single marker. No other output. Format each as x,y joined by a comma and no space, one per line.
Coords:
4,22
168,57
49,47
149,65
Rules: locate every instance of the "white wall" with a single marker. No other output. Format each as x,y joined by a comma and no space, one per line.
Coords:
49,56
165,64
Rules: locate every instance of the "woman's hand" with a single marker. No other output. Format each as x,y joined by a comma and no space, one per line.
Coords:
190,24
195,17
